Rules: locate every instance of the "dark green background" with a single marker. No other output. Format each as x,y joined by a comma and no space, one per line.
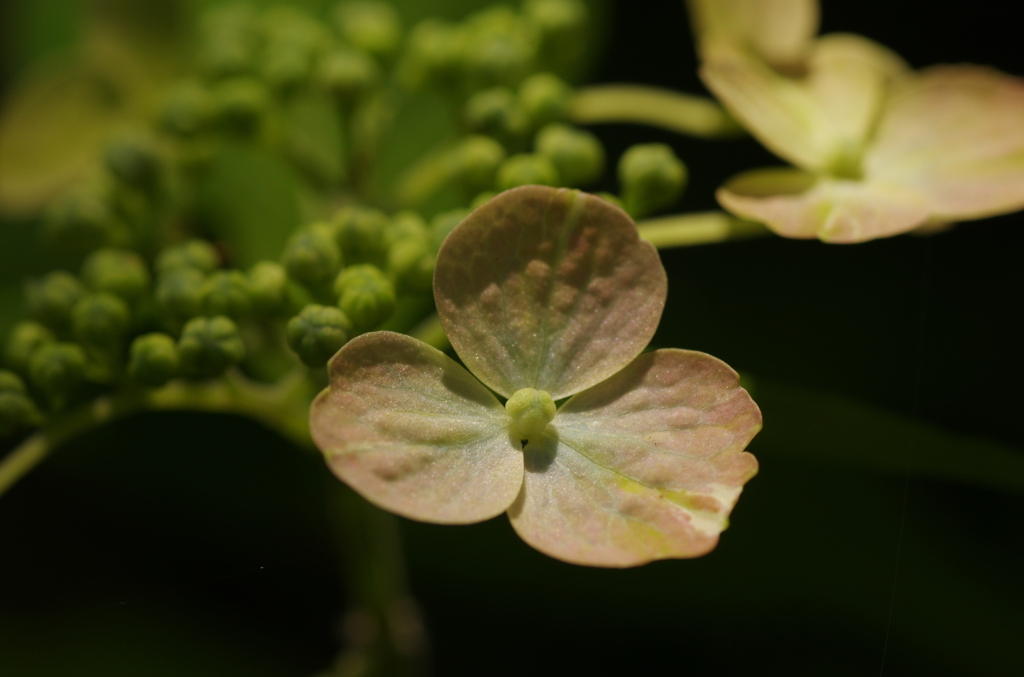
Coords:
868,544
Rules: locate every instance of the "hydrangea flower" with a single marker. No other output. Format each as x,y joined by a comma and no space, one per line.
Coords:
545,294
879,149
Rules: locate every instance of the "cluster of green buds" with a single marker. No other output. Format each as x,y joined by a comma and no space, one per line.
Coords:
147,293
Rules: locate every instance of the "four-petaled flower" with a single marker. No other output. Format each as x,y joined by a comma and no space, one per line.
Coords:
881,150
545,294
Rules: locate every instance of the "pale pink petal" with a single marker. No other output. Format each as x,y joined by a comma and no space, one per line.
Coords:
548,289
646,465
955,134
413,432
794,204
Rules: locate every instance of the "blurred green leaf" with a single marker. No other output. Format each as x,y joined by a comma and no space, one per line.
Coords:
250,199
831,428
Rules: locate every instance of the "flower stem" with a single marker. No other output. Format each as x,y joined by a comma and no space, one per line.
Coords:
282,407
683,113
685,230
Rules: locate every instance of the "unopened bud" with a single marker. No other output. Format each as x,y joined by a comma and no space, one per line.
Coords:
365,295
24,340
57,370
208,346
119,271
197,254
226,292
318,332
153,360
51,299
576,154
526,169
652,178
312,257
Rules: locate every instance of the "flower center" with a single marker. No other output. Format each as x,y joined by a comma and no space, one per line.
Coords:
530,410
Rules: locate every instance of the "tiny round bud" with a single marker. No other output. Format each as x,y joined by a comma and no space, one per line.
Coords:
433,54
500,47
360,233
119,271
226,292
242,105
16,408
545,98
197,254
312,257
530,411
652,178
348,73
475,161
51,299
188,109
562,25
57,370
133,158
208,346
443,223
101,320
526,169
371,26
22,343
496,112
365,295
406,224
153,360
318,332
293,41
273,294
576,153
411,265
179,294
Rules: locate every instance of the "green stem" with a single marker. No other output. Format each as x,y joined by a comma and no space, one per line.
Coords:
283,407
683,113
685,230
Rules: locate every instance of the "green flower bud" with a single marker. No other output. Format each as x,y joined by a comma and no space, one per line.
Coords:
80,222
24,340
411,265
51,299
133,158
187,110
208,346
272,293
179,294
500,47
16,408
526,169
433,54
443,223
365,295
197,254
312,257
545,98
153,360
370,26
101,320
317,333
576,154
57,370
226,292
652,178
475,161
242,105
348,73
361,234
496,112
406,224
118,271
530,411
562,25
